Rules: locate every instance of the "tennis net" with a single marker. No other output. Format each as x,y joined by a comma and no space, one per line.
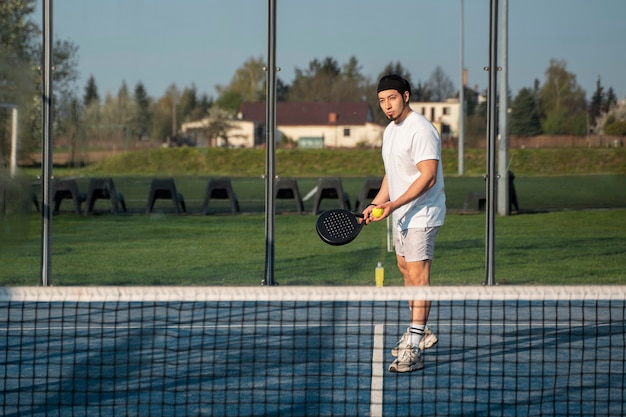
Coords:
309,351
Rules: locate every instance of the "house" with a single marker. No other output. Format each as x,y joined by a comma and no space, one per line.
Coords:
307,125
320,125
443,114
238,134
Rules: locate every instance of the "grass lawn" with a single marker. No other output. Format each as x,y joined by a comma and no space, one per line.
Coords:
561,247
571,228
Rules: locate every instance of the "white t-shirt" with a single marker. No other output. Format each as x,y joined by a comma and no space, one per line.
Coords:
404,146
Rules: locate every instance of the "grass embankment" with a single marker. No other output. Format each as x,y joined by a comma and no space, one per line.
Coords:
346,163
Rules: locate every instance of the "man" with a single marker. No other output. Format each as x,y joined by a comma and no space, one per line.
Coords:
412,192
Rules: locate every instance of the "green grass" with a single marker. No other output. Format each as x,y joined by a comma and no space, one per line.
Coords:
556,239
564,247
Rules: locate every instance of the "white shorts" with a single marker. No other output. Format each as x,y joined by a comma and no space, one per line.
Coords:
416,244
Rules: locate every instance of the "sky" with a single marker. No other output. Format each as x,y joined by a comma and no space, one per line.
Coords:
203,42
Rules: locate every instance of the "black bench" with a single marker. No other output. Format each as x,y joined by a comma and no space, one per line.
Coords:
104,188
287,188
481,196
67,189
368,192
330,188
220,188
165,188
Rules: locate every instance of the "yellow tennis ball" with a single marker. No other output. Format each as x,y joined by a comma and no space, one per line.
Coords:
377,212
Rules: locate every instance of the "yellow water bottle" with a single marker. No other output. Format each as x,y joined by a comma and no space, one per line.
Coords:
380,274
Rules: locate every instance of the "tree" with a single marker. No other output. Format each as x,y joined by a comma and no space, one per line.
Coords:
440,86
91,92
248,84
188,103
351,85
18,33
525,119
609,100
18,80
395,68
204,104
20,55
229,101
327,81
282,90
164,117
217,127
595,106
65,73
616,128
315,83
562,102
421,92
141,127
70,125
613,121
126,112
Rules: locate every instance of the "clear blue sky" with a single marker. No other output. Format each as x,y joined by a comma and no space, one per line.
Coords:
203,42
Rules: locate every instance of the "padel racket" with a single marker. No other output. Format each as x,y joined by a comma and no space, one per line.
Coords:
338,226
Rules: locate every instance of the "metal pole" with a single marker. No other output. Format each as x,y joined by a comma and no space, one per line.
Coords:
46,160
503,145
270,145
14,124
491,144
462,100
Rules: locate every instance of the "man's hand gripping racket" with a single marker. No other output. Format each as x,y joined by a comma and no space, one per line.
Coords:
338,226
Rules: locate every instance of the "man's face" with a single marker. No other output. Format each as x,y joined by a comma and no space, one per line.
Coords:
393,104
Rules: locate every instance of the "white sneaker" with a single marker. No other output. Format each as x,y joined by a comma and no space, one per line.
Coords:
428,340
409,360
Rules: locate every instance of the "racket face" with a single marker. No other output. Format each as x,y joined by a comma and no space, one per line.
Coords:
338,227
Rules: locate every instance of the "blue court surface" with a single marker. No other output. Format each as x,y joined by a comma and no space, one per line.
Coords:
309,359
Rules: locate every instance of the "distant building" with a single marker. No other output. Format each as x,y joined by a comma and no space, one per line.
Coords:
444,115
306,125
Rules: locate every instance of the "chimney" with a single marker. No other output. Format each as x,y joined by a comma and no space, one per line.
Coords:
332,117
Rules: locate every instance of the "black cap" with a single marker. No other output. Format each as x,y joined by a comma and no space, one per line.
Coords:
393,82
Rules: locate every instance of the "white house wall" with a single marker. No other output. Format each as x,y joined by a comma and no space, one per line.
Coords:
369,134
435,112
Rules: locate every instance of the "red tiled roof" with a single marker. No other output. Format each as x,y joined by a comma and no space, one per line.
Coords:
310,114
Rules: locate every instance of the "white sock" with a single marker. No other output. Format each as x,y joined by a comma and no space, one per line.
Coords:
416,332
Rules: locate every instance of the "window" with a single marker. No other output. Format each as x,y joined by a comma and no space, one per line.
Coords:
446,110
346,132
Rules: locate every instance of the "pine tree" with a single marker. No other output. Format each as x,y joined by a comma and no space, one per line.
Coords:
525,114
91,92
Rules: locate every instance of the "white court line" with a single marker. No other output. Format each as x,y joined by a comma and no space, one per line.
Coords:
376,393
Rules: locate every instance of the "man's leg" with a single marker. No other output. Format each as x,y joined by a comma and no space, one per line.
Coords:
416,274
409,357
